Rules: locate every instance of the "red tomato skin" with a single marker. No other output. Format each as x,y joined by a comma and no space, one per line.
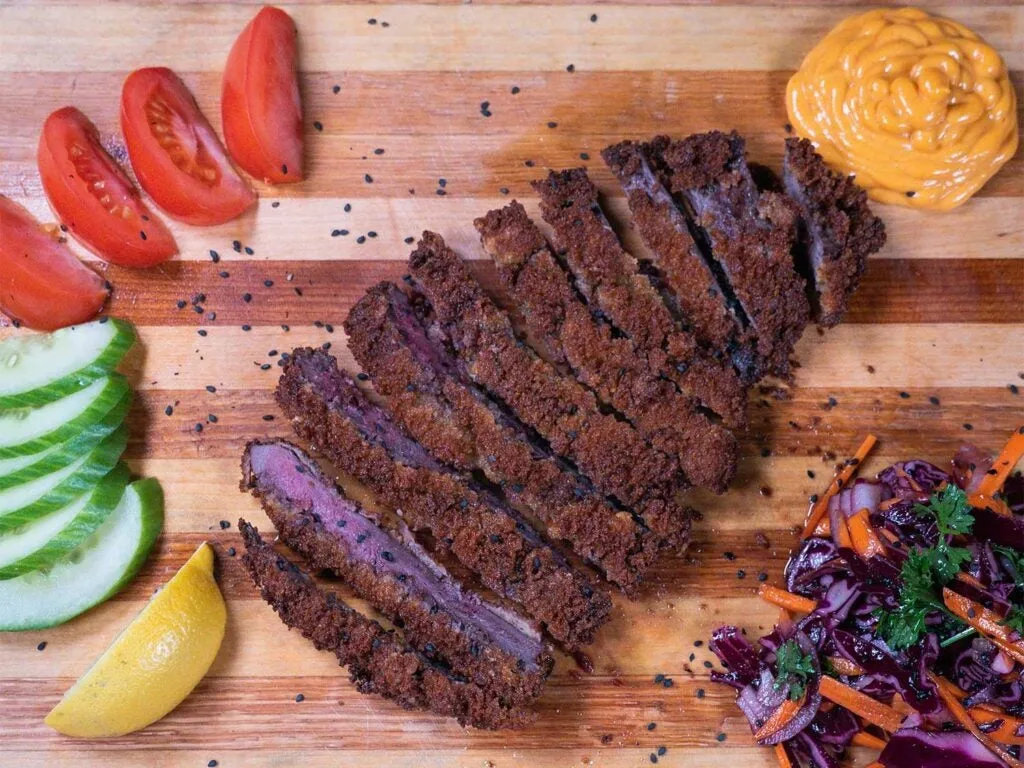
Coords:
223,195
42,284
261,110
113,235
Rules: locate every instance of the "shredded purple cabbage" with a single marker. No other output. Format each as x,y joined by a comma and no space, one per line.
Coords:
852,595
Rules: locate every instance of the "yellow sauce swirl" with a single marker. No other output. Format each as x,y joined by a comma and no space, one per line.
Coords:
918,107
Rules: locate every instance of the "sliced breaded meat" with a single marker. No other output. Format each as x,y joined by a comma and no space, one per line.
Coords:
751,235
839,231
479,641
458,423
484,533
610,452
713,314
378,661
555,315
611,281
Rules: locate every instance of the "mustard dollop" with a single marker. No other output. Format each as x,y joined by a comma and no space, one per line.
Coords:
918,107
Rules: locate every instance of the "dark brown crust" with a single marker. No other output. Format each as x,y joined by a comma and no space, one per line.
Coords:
485,538
751,236
452,419
706,452
610,452
378,661
677,258
611,280
426,625
841,231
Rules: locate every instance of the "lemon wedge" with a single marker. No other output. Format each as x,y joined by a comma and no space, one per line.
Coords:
154,663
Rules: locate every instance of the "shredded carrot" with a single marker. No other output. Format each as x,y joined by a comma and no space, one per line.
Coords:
787,600
844,666
838,482
900,705
987,622
875,712
875,764
966,578
780,718
824,527
952,702
1003,465
783,757
1006,733
865,739
865,539
842,537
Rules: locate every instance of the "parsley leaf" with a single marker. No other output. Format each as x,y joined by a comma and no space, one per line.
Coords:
918,597
951,510
1015,620
947,560
792,668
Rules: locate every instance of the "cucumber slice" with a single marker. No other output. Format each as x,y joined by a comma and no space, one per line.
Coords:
94,572
41,368
30,430
44,542
27,502
23,469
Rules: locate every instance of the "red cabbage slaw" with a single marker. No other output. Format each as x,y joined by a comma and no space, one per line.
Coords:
902,621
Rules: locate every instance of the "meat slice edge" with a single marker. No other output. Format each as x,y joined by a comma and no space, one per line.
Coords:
713,314
378,660
457,422
498,651
611,366
838,230
610,452
611,281
751,236
484,533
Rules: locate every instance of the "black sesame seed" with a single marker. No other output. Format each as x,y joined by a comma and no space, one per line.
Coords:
361,239
708,665
371,233
284,169
651,726
968,426
570,68
249,251
409,240
214,256
700,693
720,737
268,417
528,163
659,678
180,303
729,555
225,274
168,410
584,155
388,556
515,89
347,208
911,193
210,388
246,297
212,764
378,151
662,750
246,327
318,125
231,552
552,124
41,646
668,682
142,234
275,204
593,17
368,178
224,525
268,283
299,698
371,22
212,418
201,332
362,376
336,89
504,190
904,395
1014,389
653,757
933,400
199,427
237,245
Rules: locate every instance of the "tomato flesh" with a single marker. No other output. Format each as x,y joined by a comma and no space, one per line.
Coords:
94,198
42,284
177,157
261,108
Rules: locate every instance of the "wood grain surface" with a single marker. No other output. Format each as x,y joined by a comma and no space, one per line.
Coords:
931,355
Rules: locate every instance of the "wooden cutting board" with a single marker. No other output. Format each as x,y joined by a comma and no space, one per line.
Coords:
398,142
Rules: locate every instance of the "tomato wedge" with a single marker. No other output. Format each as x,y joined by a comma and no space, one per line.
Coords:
94,198
42,284
177,157
260,105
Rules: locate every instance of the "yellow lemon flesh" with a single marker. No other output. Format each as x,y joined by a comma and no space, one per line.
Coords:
154,663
